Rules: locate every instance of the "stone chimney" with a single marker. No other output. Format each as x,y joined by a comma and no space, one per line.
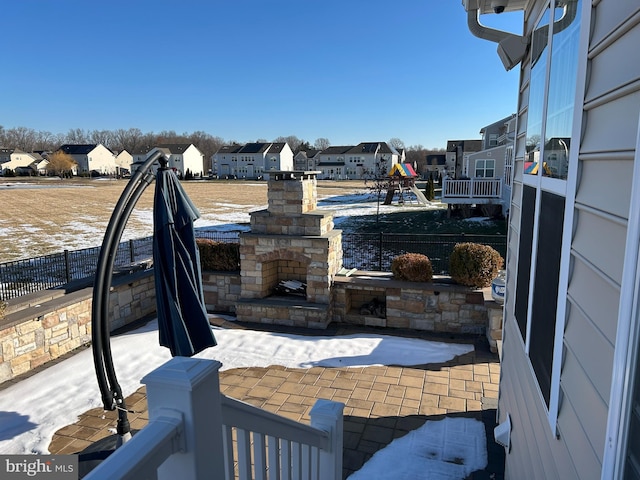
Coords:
291,240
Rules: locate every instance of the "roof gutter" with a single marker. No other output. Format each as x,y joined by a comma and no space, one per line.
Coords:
511,48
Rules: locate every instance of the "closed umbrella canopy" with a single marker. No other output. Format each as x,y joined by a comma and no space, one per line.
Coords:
183,323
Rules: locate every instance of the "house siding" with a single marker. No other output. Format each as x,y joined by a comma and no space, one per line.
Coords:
604,177
535,453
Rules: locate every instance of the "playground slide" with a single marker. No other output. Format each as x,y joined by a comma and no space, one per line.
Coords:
419,195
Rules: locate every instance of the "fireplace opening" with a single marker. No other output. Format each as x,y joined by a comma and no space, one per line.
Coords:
283,277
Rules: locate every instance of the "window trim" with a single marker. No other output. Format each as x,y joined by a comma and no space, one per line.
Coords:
567,189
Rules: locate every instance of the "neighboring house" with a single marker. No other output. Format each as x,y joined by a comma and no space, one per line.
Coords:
181,156
253,160
91,158
41,166
138,157
486,174
5,156
279,157
456,154
20,162
124,160
498,133
225,159
434,166
306,160
357,162
569,403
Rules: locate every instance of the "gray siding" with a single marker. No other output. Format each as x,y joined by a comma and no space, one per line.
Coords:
607,147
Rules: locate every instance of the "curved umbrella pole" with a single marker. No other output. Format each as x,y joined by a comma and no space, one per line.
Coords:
100,334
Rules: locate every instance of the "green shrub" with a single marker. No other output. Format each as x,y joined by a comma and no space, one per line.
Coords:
218,256
412,267
474,265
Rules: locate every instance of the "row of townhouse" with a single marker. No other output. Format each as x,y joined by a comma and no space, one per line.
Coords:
255,160
97,159
252,160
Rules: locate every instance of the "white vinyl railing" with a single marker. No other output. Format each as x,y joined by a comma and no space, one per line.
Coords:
471,188
280,447
195,432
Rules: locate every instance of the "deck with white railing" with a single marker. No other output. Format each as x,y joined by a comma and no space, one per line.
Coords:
196,432
471,190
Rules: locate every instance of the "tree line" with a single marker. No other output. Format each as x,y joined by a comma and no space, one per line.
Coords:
134,140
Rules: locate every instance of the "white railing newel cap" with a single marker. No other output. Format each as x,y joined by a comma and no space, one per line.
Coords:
182,372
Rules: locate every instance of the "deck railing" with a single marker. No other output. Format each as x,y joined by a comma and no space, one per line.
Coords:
196,432
472,188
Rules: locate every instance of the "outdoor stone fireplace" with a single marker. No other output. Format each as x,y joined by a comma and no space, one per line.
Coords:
289,242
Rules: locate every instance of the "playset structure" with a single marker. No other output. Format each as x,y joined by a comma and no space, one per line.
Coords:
402,177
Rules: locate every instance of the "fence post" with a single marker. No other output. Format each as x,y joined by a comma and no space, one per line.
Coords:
132,256
380,251
326,415
192,387
67,267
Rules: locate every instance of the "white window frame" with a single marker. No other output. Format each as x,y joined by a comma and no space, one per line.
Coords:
484,168
564,188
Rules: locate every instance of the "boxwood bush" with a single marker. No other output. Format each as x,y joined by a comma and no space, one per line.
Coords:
474,265
218,256
413,267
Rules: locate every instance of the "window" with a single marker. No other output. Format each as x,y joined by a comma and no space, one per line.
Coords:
493,140
543,249
485,168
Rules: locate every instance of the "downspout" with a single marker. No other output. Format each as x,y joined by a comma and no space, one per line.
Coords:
511,47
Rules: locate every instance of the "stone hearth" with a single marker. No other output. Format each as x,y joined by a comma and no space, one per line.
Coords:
291,240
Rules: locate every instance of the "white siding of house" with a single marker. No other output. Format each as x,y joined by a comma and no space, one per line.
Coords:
606,153
193,160
102,160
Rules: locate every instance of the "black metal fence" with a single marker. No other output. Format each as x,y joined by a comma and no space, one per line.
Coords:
364,251
21,277
375,251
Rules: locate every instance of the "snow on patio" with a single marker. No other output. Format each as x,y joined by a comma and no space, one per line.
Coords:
34,409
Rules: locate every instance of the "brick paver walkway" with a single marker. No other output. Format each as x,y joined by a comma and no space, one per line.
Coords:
381,402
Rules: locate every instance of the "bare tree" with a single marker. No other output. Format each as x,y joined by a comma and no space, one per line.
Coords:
77,136
293,141
20,137
128,140
47,141
396,143
104,137
380,183
60,163
321,143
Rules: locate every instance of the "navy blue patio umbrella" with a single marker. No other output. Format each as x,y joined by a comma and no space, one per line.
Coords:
182,316
183,323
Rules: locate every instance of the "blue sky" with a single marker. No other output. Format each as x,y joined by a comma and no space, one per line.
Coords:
347,70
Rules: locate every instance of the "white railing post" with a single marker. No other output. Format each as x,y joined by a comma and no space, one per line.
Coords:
326,415
192,387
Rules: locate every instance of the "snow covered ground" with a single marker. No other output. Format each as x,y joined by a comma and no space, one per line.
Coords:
35,408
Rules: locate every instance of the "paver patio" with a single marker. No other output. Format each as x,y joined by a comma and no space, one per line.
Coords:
381,402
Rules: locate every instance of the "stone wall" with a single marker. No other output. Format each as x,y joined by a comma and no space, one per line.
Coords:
441,307
221,291
433,307
41,327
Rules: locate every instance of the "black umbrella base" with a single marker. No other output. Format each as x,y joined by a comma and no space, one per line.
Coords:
94,454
